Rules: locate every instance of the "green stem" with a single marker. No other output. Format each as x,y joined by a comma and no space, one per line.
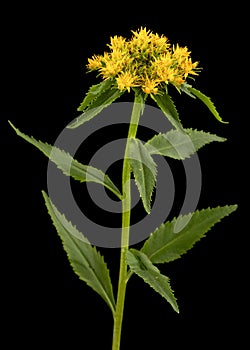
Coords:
126,208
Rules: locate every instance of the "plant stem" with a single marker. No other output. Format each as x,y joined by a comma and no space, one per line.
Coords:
126,208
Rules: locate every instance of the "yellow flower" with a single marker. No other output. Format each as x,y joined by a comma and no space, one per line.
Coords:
147,61
149,86
94,62
117,43
125,80
163,68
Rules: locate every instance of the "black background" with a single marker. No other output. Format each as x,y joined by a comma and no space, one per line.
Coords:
44,53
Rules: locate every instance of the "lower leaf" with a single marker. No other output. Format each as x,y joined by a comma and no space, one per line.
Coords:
86,262
174,238
141,265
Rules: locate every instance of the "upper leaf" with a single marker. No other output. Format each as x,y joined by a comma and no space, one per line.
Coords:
69,166
180,144
172,239
144,170
86,262
103,98
185,88
142,266
207,101
168,108
93,93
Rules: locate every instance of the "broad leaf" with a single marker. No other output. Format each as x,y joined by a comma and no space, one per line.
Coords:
207,101
172,239
69,166
103,100
94,92
142,266
180,144
144,170
167,106
86,262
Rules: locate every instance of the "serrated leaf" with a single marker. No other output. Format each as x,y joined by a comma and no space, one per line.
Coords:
69,166
180,144
144,170
103,100
94,92
172,239
185,88
207,101
85,260
166,104
143,267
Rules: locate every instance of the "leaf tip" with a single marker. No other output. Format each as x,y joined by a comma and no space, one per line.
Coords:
12,125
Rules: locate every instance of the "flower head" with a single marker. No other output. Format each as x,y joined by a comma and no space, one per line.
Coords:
147,61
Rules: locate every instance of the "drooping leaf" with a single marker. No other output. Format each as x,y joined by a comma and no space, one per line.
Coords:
85,260
172,239
207,101
94,92
140,264
180,144
103,100
69,166
144,170
166,104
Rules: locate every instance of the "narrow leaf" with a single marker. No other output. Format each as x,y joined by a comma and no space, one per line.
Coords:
167,106
94,92
103,100
142,266
172,239
207,101
69,166
180,144
85,260
185,88
144,170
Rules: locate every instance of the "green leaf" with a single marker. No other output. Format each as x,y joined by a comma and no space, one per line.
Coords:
144,170
69,166
103,100
180,144
185,88
167,106
207,101
142,266
94,92
85,260
172,239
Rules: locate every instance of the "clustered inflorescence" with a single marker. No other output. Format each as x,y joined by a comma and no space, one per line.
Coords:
147,61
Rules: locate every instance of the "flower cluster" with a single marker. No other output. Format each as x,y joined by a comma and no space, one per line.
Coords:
147,61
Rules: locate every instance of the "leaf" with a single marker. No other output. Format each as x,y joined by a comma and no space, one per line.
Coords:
142,266
185,88
173,239
180,144
86,262
69,166
144,170
103,100
167,106
207,101
94,92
